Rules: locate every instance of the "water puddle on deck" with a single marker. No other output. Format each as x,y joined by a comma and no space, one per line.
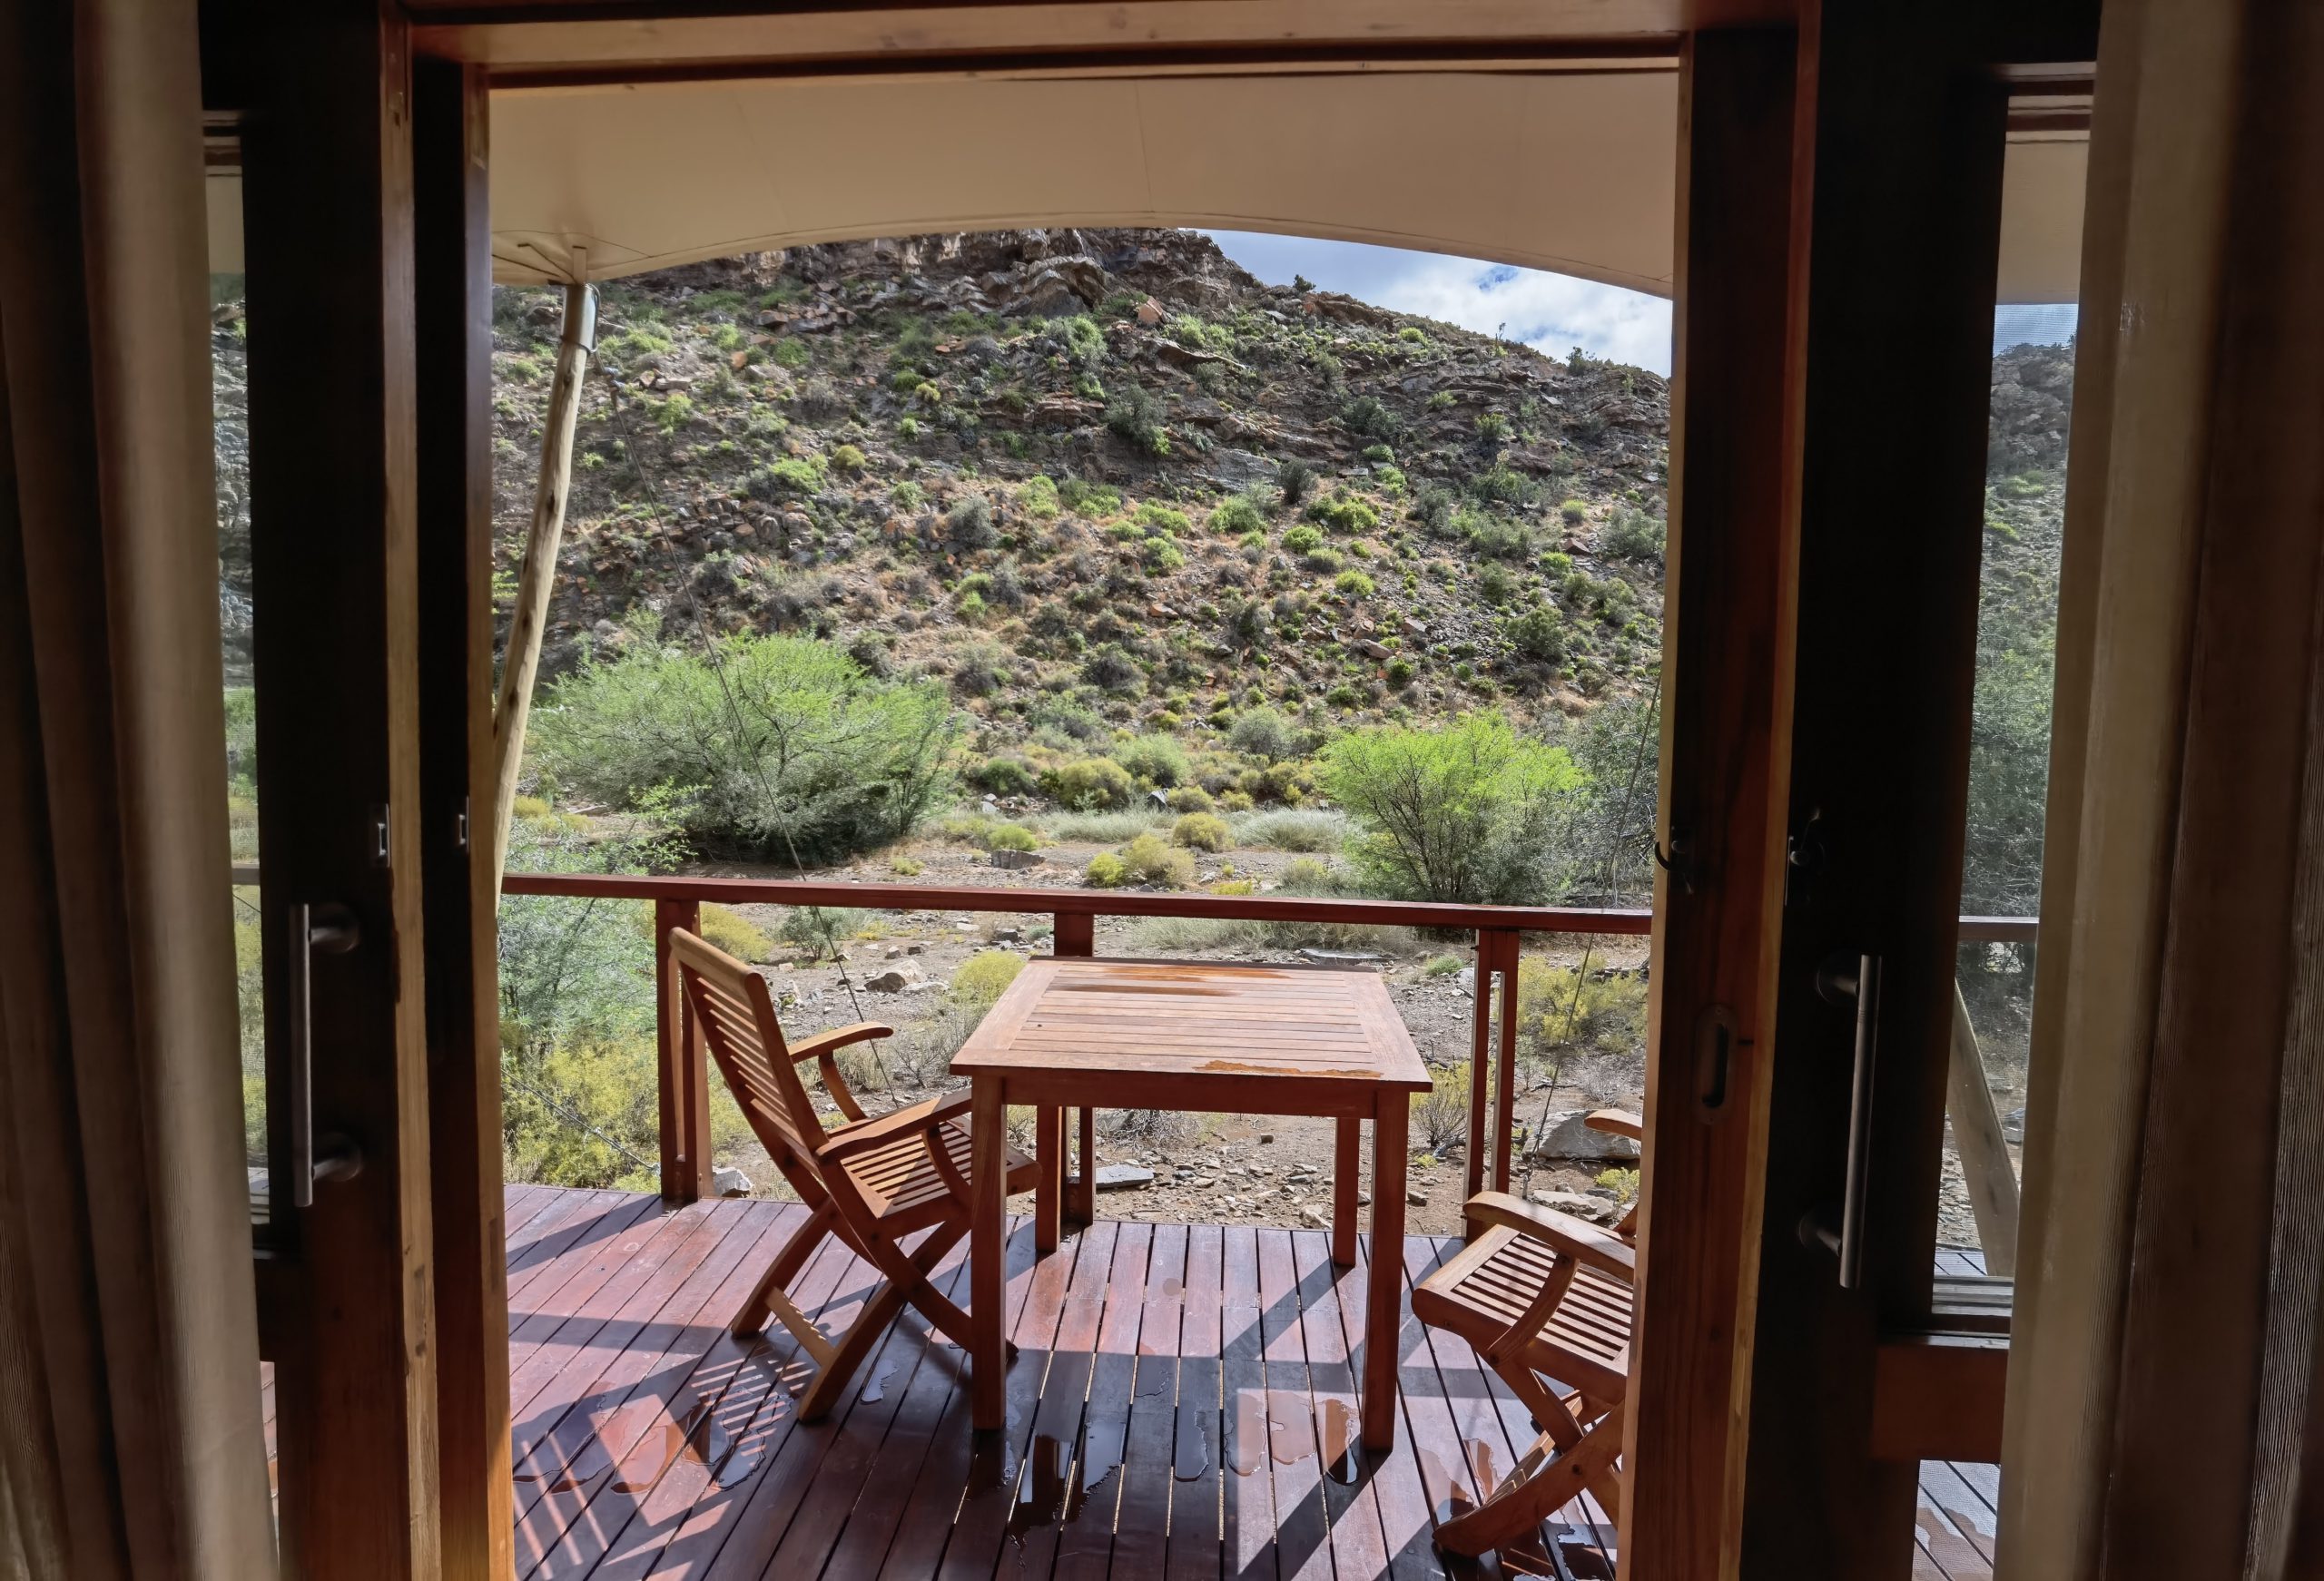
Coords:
561,1474
1042,1485
1190,1446
696,1436
876,1389
1342,1442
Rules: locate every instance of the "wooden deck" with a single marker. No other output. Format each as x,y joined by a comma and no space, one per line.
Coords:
1182,1405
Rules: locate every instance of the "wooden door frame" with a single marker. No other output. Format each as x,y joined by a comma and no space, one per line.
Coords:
1726,681
328,224
1902,149
453,290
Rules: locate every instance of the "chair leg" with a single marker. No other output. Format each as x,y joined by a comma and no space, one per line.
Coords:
1547,1480
854,1346
783,1271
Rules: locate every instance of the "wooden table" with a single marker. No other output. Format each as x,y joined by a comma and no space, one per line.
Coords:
1195,1036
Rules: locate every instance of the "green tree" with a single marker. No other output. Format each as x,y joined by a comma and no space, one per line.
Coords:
1465,813
780,749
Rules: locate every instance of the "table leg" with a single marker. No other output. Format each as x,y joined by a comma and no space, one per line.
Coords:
1345,1151
1048,1185
1082,1207
987,1269
1384,1297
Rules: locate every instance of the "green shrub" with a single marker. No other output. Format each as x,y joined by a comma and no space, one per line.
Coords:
791,353
1106,872
1162,555
1400,672
1284,831
1111,670
1205,831
1011,837
1444,966
1344,515
1158,760
1538,634
1303,540
1378,453
1495,586
1503,485
1463,813
969,524
1354,585
730,931
1238,515
794,475
984,976
1632,534
907,496
1558,1009
847,458
1149,861
1574,510
1497,539
1191,798
1137,415
783,751
1003,777
1306,876
1264,734
1296,478
1091,784
1235,801
1098,827
1089,500
1037,496
1083,341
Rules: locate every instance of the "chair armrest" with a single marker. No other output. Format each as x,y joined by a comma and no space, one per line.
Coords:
1616,1122
837,1038
823,1049
910,1121
1576,1238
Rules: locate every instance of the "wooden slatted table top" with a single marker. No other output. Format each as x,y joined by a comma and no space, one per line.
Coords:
1196,1018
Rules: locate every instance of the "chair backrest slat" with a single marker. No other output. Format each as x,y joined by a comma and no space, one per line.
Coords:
737,1016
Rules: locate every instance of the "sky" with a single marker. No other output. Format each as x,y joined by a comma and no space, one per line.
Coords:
1553,313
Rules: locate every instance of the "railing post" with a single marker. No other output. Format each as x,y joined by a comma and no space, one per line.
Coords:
1075,934
683,1066
1496,958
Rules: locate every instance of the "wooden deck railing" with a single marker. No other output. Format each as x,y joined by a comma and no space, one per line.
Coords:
683,1065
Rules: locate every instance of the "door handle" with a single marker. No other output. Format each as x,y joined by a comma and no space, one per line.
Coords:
1843,982
330,929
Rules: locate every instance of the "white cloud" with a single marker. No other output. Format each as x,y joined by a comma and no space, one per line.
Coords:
1552,312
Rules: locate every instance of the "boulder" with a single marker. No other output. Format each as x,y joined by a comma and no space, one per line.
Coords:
893,981
1596,1209
729,1182
1017,860
1123,1177
1568,1136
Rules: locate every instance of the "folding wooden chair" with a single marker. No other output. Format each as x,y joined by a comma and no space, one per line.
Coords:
1544,1299
871,1182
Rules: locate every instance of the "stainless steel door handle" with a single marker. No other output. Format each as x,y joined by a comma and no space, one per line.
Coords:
330,929
1840,984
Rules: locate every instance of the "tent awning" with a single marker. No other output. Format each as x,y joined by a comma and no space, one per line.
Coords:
1567,170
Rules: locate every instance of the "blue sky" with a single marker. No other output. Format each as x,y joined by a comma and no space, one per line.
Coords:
1551,312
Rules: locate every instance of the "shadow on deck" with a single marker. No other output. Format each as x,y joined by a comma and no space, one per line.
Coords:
1182,1405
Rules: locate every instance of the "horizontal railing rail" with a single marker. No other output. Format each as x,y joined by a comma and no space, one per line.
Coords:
684,1064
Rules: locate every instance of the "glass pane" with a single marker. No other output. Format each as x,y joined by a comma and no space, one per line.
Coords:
2017,616
230,418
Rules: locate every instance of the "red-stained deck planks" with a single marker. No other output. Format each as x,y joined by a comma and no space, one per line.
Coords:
1184,1388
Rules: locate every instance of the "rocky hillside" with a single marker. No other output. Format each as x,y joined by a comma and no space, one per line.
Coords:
1107,473
1101,470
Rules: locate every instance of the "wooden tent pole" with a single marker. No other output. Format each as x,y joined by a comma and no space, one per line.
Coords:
523,660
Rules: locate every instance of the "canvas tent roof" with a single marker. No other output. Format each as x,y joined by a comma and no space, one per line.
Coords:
1570,171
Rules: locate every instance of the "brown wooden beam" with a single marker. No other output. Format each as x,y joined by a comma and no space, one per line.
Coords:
453,290
1726,747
